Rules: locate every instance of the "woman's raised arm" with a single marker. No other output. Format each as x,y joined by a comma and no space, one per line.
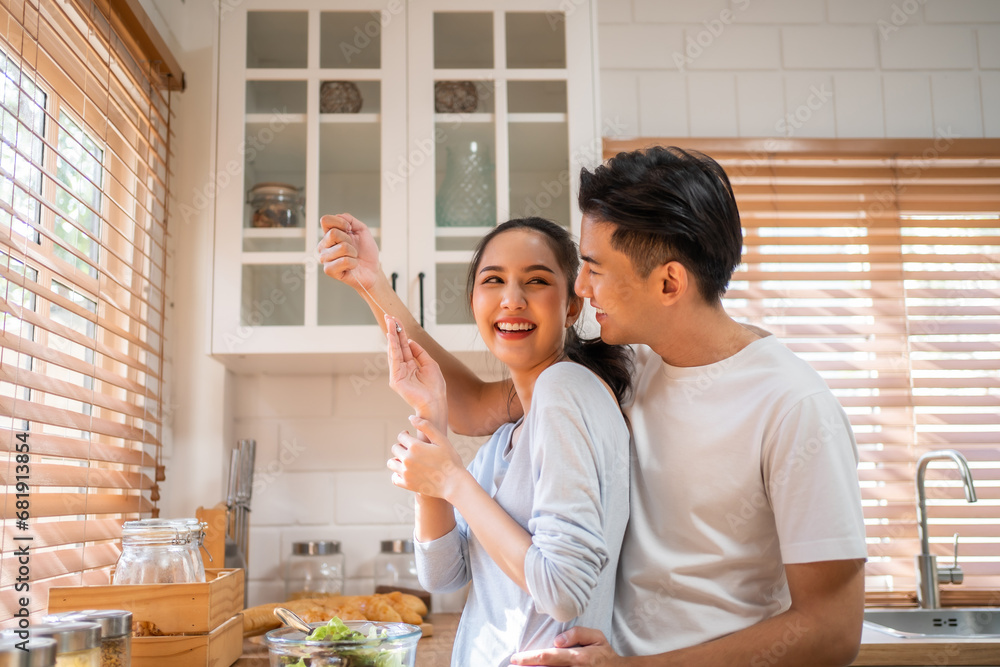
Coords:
349,254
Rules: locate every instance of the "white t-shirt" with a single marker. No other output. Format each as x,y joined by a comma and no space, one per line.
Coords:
740,466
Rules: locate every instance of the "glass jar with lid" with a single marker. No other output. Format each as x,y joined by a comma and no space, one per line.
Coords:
78,643
116,632
276,205
396,569
314,569
41,651
161,551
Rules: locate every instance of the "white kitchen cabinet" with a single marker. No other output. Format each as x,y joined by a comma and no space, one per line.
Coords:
429,182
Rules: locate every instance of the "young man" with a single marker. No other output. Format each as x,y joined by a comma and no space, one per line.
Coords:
745,543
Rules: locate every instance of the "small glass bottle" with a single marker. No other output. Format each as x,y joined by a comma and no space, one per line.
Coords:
314,570
161,551
41,651
396,570
78,643
116,632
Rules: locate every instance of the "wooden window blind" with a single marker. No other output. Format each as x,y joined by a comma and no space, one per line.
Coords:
84,118
879,263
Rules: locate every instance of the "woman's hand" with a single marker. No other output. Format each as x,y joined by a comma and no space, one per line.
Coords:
415,376
348,251
431,468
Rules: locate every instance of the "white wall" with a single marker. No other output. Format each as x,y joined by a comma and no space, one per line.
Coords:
804,68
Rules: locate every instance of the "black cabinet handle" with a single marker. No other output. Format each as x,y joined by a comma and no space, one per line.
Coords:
394,277
421,276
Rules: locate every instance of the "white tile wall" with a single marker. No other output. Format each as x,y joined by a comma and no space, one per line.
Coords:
343,443
620,101
878,56
988,38
761,104
678,11
907,99
956,104
989,83
809,106
662,105
829,47
732,47
870,12
614,11
638,46
780,11
858,104
928,47
712,104
961,11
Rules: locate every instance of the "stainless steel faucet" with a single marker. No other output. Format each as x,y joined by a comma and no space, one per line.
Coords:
928,573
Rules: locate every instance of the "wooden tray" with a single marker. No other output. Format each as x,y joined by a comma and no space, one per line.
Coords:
219,648
175,609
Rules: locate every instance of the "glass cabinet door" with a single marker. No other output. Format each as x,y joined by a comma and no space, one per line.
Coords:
491,90
313,83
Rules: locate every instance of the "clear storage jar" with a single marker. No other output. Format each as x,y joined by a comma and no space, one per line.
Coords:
276,205
314,569
396,569
161,551
78,643
41,651
116,632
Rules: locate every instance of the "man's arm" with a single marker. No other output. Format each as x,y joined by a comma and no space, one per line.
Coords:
822,627
349,254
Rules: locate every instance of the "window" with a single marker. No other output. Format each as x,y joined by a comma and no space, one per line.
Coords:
82,231
879,263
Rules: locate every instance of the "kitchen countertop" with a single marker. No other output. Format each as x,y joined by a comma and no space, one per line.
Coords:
876,649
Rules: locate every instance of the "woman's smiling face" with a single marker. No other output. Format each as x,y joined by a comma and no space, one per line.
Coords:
520,300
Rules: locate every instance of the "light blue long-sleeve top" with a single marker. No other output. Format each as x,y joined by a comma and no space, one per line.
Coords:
565,482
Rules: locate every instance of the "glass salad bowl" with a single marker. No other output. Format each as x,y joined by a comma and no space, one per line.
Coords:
349,644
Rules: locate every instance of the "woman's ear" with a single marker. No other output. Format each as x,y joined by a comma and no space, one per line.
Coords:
574,310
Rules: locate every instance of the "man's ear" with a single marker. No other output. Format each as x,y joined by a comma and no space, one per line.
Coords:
574,310
672,281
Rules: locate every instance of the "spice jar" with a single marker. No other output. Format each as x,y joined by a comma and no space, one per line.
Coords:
276,205
161,551
315,569
116,632
41,651
78,643
396,570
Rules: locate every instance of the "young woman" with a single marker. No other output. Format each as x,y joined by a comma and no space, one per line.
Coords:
536,521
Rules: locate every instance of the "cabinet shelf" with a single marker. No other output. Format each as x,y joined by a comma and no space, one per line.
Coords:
267,118
299,73
536,118
519,117
554,74
350,118
274,232
277,258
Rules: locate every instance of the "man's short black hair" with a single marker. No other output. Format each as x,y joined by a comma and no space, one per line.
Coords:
668,204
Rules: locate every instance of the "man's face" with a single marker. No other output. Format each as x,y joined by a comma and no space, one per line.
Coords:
609,281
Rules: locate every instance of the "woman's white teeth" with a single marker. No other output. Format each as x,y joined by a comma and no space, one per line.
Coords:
511,326
600,311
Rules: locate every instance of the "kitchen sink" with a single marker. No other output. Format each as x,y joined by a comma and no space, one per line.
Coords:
980,622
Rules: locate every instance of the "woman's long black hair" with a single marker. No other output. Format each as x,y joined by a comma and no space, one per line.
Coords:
612,363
